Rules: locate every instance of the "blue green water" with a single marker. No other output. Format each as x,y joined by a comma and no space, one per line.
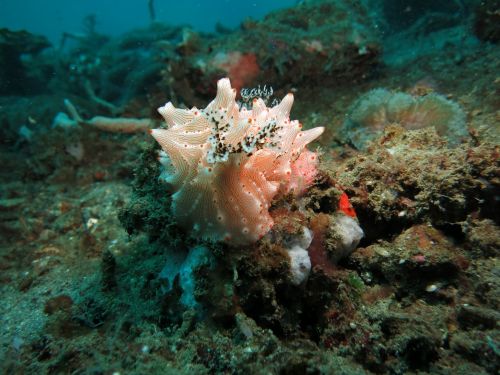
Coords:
52,18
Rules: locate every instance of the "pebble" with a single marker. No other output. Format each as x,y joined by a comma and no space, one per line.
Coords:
431,288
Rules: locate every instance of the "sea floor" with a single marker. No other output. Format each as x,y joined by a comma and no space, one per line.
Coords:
419,295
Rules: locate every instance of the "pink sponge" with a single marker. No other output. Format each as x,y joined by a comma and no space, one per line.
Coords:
304,171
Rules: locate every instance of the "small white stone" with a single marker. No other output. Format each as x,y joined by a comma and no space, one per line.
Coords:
382,252
91,222
367,277
431,288
348,234
300,264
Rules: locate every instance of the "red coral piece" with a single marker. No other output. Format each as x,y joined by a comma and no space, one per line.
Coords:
345,206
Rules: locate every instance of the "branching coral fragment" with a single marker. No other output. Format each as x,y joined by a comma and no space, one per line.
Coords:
107,124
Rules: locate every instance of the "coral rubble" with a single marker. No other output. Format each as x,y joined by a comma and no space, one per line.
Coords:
413,176
316,41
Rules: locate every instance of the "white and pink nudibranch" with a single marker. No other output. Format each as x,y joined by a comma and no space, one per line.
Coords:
225,164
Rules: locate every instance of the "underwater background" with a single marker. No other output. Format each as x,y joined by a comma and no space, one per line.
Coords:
250,187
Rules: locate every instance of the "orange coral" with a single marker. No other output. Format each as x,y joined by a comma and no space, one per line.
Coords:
345,205
241,68
226,165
